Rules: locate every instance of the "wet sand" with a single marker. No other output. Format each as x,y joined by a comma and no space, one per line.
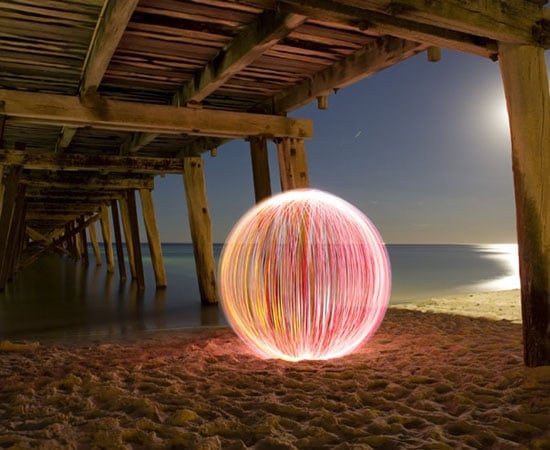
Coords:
431,380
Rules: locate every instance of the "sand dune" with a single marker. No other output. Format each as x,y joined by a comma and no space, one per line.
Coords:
427,380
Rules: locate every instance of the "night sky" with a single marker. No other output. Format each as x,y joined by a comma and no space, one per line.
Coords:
423,149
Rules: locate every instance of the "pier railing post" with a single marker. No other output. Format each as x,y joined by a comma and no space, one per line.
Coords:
107,242
201,227
153,237
292,164
525,81
260,168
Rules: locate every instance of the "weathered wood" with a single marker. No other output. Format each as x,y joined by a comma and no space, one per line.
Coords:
118,240
56,217
248,46
78,161
525,81
260,168
378,55
95,245
88,185
1,185
434,54
18,220
83,242
131,116
107,242
292,164
322,102
136,244
125,215
116,16
135,142
7,218
201,228
64,139
153,237
488,19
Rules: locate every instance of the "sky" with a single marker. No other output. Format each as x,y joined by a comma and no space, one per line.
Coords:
422,148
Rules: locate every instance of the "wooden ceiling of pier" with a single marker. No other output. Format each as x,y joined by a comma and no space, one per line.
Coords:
93,91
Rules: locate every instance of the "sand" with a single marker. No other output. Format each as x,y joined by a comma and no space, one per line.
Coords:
426,380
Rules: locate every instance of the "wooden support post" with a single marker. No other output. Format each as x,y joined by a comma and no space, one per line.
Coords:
260,168
6,219
107,243
434,54
153,237
525,81
128,236
118,240
76,241
83,243
136,244
1,185
95,245
201,227
14,237
292,164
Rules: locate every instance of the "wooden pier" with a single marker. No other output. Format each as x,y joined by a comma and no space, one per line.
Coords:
97,98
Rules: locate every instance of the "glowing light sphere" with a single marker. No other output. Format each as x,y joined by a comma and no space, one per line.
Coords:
304,275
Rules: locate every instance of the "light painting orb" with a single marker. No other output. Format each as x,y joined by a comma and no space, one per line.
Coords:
304,275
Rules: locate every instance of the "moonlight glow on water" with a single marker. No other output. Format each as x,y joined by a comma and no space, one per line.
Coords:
304,275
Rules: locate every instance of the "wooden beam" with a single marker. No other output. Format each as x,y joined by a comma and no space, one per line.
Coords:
136,244
107,242
118,240
513,23
201,228
52,109
92,184
95,245
260,168
64,140
110,29
125,215
525,81
153,237
248,46
135,142
292,164
376,56
71,162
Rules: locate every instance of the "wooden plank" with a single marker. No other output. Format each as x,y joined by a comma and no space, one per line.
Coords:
292,164
118,240
525,81
88,185
260,168
487,19
258,37
201,228
136,244
64,139
7,218
378,55
153,237
110,29
125,216
95,245
107,242
71,162
135,142
63,110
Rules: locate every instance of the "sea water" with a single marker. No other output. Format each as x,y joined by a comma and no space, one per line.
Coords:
58,298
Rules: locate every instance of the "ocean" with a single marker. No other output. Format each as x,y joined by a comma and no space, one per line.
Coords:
57,298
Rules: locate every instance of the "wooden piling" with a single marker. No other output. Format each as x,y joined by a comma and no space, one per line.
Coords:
153,237
525,81
1,185
136,244
8,258
95,245
260,168
201,227
107,243
118,240
83,242
6,219
125,215
292,164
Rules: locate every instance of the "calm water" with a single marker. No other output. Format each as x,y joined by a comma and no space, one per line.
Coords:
57,298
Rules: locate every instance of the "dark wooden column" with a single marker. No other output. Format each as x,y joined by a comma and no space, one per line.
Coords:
260,168
136,244
6,220
118,240
15,236
107,242
128,235
292,164
525,81
95,245
83,242
201,227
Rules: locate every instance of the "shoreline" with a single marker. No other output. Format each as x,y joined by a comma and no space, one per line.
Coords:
425,380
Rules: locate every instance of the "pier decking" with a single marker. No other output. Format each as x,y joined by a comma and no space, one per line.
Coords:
98,97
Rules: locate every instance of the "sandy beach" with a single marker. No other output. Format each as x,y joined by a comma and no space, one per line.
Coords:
440,374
